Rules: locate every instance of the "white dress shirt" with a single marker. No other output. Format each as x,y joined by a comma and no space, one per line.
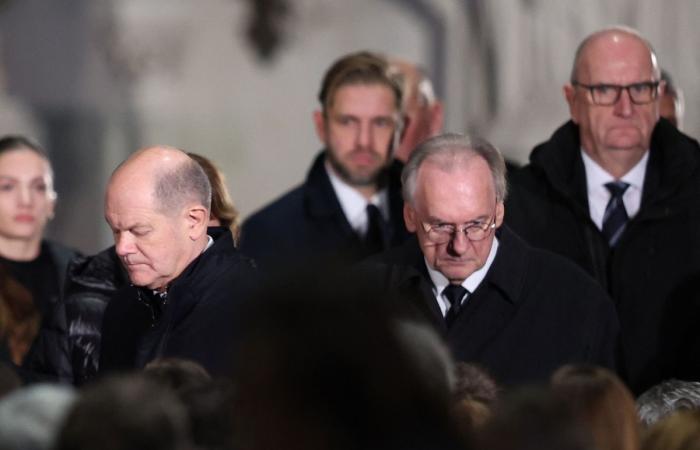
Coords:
598,194
472,282
354,204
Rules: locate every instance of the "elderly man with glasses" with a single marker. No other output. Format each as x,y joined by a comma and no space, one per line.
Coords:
519,312
616,190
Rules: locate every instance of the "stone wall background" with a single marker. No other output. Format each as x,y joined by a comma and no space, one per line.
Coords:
94,80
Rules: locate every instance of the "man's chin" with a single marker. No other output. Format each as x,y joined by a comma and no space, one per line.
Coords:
142,280
625,140
457,273
361,177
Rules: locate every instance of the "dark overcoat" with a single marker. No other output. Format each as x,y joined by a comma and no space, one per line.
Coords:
197,322
659,250
307,225
533,312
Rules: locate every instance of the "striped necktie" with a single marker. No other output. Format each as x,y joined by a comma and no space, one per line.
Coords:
615,217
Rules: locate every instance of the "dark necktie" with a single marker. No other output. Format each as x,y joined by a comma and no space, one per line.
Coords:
375,238
615,217
454,293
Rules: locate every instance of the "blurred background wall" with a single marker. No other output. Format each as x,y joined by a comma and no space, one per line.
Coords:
236,80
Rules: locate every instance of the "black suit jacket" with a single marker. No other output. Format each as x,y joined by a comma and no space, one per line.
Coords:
533,312
198,322
307,225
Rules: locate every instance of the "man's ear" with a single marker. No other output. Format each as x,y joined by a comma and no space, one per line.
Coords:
197,220
437,118
570,96
661,89
409,217
320,125
500,212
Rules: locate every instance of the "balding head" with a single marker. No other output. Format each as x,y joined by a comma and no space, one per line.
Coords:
613,97
174,178
423,112
613,37
157,204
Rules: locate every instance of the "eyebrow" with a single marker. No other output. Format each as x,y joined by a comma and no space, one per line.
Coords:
434,219
355,116
127,228
13,178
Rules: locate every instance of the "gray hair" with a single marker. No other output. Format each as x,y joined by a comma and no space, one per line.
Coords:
615,28
448,149
666,398
31,417
185,183
418,86
424,88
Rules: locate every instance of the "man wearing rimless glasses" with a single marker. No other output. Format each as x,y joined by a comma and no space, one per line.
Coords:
616,190
517,311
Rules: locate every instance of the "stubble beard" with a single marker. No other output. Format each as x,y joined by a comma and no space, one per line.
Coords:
372,178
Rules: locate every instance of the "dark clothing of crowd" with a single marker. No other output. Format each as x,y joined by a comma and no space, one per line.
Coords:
307,226
531,314
659,249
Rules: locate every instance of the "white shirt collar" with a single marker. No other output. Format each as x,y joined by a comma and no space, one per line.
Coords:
354,204
472,282
210,242
598,194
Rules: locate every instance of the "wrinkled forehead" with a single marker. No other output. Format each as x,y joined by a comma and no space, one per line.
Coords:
618,56
125,191
458,184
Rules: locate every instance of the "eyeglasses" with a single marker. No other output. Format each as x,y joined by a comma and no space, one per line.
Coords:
609,94
442,233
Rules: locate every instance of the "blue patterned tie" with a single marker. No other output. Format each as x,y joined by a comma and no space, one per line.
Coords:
615,217
454,293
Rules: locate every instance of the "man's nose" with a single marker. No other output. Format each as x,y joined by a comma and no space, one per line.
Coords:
623,106
459,243
123,244
364,135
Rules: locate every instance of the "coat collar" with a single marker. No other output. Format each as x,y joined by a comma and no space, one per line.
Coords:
505,273
321,202
223,245
184,292
560,161
319,195
673,158
499,293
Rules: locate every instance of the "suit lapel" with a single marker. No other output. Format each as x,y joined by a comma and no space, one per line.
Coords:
398,232
322,204
414,286
494,304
